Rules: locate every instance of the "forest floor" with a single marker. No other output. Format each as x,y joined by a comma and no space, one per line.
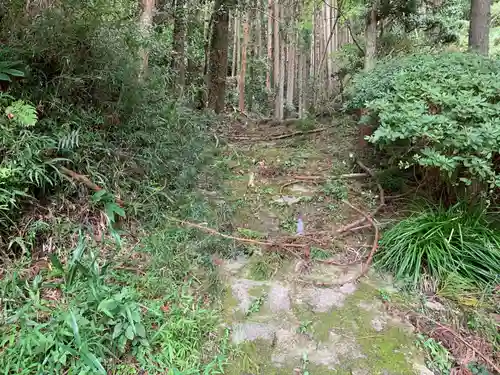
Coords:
288,308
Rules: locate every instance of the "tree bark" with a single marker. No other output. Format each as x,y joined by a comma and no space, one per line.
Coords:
371,37
278,106
290,70
179,40
217,66
281,89
479,26
300,83
269,44
145,24
246,31
236,46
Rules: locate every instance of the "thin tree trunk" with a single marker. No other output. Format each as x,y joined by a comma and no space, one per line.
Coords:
145,24
290,71
281,91
217,68
234,65
313,42
179,40
246,30
276,57
371,37
479,26
269,44
300,83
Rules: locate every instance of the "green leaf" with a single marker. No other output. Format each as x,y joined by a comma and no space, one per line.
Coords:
91,361
107,306
54,260
13,72
98,195
117,331
129,332
74,326
136,316
5,77
141,331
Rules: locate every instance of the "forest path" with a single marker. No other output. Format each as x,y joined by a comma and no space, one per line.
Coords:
287,316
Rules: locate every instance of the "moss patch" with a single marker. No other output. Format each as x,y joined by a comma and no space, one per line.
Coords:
385,351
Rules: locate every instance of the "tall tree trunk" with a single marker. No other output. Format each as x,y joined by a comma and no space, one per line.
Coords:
246,31
270,14
259,31
290,70
276,56
217,66
179,40
145,24
371,37
236,45
479,26
281,89
300,83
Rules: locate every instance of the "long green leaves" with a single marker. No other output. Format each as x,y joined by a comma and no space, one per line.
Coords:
441,242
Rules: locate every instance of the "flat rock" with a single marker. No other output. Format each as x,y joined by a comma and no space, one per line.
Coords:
240,289
324,299
279,298
249,331
286,199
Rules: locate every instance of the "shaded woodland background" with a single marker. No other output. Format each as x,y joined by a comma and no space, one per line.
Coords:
110,110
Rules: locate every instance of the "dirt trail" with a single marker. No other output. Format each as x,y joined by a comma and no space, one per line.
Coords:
281,320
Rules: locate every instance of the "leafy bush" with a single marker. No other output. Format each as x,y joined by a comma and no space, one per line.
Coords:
435,111
24,164
84,316
441,242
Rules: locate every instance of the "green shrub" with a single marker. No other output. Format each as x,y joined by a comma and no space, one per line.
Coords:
441,242
24,163
435,111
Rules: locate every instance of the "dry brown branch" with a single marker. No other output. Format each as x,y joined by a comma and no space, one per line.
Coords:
318,179
275,137
276,243
85,180
375,240
359,222
463,341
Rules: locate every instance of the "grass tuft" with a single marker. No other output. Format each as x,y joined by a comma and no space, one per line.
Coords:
440,242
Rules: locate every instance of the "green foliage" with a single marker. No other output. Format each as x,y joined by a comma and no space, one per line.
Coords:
439,359
85,315
25,164
441,242
436,111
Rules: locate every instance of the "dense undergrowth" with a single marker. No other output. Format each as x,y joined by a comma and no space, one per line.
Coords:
100,282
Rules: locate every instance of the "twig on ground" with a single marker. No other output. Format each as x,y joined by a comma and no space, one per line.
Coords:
461,339
85,180
359,222
281,136
275,243
318,179
366,266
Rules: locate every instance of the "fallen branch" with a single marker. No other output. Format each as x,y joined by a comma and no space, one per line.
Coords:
318,179
366,266
281,136
461,339
374,212
85,181
276,243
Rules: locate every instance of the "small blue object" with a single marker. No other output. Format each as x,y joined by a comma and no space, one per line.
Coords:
300,226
